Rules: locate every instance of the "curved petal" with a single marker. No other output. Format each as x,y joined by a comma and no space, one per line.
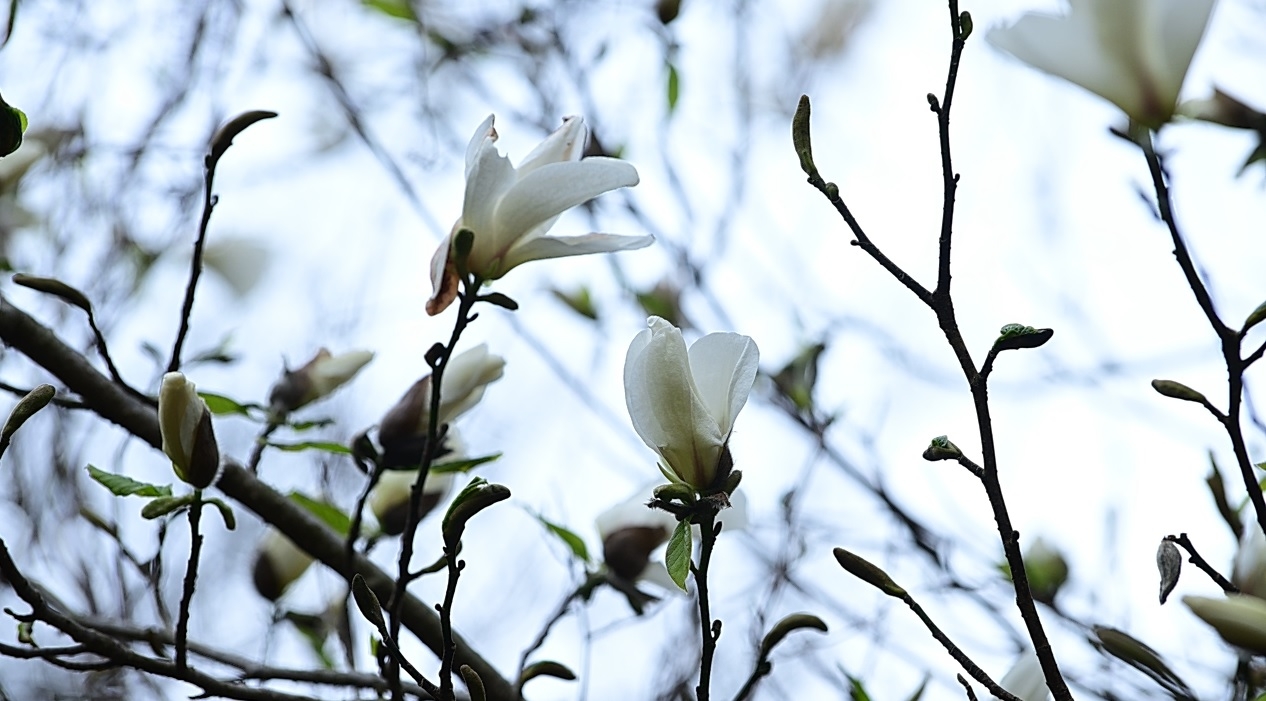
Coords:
483,133
554,188
567,143
489,178
545,247
443,278
724,368
1180,25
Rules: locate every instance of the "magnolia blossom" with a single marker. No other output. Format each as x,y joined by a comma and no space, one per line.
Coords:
1133,53
1025,679
389,499
317,378
509,209
683,403
278,563
1248,573
185,425
1239,618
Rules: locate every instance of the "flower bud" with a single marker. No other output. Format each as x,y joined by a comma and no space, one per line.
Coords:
389,499
319,377
188,437
278,563
1047,570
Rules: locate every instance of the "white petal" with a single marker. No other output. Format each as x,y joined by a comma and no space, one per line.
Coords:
180,410
724,368
465,379
562,246
1025,678
483,133
554,188
567,143
490,177
1181,26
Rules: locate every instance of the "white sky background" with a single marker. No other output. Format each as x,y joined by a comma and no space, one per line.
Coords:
1050,232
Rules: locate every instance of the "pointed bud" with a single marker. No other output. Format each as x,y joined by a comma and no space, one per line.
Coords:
941,448
188,437
1178,390
781,629
278,563
316,379
1169,563
865,571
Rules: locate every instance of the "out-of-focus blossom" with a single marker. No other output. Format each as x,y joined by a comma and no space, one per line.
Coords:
188,437
683,403
1248,573
389,499
1025,678
509,210
1133,53
239,262
1239,618
278,563
317,378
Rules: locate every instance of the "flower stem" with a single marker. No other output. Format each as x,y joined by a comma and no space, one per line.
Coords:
191,578
709,630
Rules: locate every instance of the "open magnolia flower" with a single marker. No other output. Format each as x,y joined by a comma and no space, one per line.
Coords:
509,209
1133,53
683,403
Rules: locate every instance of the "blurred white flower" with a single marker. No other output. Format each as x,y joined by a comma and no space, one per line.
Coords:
509,210
278,563
389,499
239,262
1239,618
1133,53
1025,678
683,403
188,437
316,379
1248,573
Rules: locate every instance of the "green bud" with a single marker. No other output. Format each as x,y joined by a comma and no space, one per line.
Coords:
1178,390
546,668
965,25
800,137
1169,563
1019,336
57,288
473,683
367,602
781,629
477,496
26,407
675,491
941,448
865,571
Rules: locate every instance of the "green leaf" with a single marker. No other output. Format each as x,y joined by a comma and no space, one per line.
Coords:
399,9
680,548
465,465
123,486
301,426
162,506
570,539
324,446
221,405
328,513
674,88
857,690
226,513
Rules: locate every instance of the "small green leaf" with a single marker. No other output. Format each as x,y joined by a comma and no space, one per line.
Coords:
674,88
399,9
328,513
680,549
57,288
1018,336
579,301
301,426
226,513
500,300
465,465
123,486
221,405
323,446
161,506
570,539
857,690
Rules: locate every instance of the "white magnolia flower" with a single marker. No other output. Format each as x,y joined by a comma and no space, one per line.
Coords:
683,403
1248,573
317,378
1239,618
278,563
467,376
185,425
1133,53
1025,679
509,209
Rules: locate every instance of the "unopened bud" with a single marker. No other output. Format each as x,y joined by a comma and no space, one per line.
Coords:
627,551
188,437
316,379
278,563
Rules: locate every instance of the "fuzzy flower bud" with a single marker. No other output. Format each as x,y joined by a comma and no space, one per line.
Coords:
188,437
319,377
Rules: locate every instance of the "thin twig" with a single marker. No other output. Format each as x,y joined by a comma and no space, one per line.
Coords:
191,579
957,653
1195,559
